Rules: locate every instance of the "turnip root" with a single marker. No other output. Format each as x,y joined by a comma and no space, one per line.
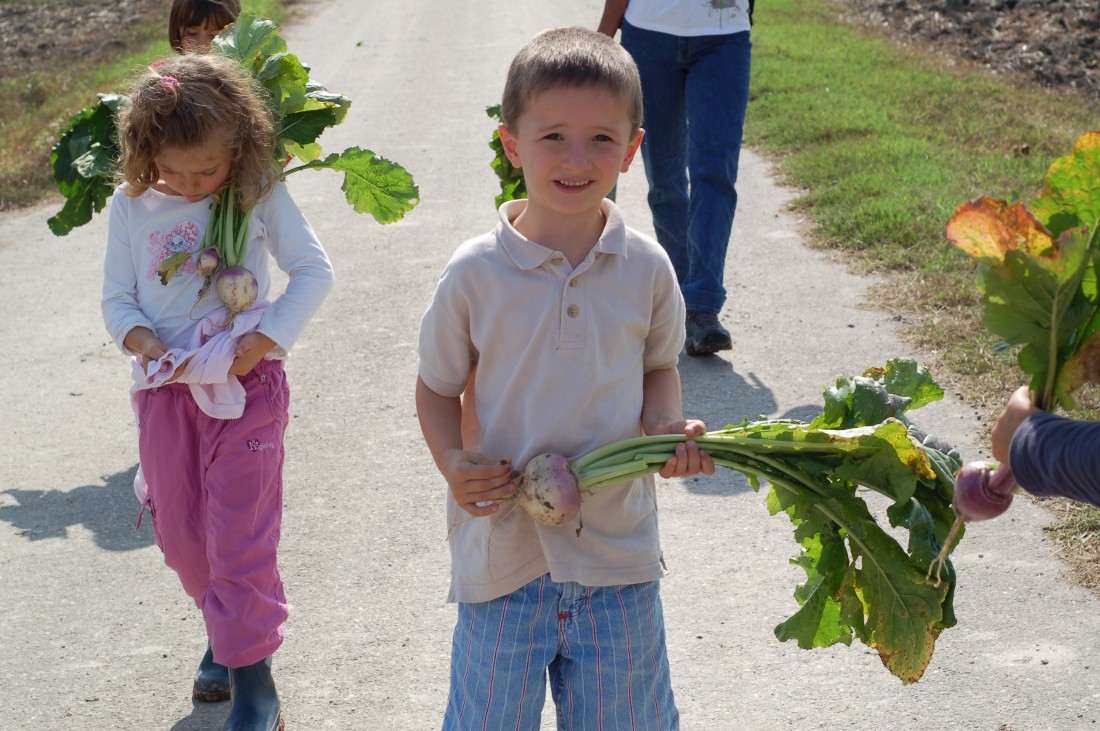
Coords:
547,490
207,262
982,491
238,289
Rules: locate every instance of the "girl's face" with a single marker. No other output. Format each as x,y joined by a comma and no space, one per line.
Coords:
197,38
194,172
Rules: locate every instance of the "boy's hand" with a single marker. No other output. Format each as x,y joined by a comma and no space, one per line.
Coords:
476,481
251,348
689,459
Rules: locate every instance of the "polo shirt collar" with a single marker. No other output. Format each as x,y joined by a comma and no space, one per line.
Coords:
530,255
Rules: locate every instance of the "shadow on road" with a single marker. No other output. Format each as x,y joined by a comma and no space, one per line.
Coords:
719,395
204,716
110,511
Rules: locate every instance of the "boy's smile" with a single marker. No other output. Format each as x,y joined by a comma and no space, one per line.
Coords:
572,143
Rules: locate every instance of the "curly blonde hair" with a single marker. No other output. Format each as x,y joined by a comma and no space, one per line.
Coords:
183,101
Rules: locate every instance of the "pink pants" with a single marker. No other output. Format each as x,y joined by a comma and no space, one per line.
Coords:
216,498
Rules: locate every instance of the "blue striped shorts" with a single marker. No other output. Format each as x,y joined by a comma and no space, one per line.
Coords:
601,648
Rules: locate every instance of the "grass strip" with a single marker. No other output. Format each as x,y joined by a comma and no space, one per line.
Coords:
886,141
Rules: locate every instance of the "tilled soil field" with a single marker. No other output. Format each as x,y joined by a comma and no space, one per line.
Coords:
1051,42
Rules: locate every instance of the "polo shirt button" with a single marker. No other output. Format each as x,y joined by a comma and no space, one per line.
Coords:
572,282
556,259
573,311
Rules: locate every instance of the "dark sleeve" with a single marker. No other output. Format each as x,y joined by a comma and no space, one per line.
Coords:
1055,456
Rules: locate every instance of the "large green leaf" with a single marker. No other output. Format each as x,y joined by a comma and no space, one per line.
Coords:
375,185
83,162
250,41
1071,196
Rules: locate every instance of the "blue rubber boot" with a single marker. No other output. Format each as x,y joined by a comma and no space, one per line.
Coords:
211,680
255,702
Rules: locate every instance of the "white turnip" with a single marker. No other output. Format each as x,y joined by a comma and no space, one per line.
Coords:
207,262
547,490
238,289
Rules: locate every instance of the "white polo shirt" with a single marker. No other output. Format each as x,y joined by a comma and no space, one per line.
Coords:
561,356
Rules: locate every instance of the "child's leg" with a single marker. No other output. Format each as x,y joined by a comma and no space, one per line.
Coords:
245,606
171,462
498,660
612,671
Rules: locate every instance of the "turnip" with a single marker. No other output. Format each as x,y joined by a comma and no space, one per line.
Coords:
547,490
207,262
238,289
982,491
863,582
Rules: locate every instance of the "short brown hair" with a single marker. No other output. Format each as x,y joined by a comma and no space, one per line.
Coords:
187,13
571,57
183,101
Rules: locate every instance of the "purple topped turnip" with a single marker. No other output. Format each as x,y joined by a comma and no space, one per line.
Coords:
238,289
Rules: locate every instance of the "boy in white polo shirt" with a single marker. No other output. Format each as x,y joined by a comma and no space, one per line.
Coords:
575,323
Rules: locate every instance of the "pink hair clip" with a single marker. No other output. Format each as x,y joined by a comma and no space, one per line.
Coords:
169,83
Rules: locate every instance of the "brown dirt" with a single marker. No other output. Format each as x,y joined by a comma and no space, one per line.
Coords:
50,34
1053,43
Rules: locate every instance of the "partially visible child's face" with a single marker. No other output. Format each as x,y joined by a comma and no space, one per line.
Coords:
194,172
197,38
572,143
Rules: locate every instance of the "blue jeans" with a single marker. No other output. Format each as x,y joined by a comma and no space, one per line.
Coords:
603,649
696,91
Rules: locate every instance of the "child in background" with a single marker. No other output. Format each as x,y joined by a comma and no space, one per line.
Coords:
191,124
193,24
575,323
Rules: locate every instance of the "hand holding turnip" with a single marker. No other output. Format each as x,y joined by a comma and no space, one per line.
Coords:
478,483
688,459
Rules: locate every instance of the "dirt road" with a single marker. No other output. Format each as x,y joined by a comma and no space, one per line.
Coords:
98,635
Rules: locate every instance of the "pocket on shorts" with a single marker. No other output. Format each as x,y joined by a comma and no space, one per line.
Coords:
141,406
276,394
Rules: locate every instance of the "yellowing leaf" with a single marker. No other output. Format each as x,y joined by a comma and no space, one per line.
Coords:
986,229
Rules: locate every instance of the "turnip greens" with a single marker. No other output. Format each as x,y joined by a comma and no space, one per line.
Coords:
861,582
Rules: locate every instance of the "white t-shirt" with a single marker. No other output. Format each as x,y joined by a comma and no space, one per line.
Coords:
689,17
145,230
561,354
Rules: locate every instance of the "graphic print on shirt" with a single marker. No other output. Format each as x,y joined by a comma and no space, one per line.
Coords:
726,9
182,237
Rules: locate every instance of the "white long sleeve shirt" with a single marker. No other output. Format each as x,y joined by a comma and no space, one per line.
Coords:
146,230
